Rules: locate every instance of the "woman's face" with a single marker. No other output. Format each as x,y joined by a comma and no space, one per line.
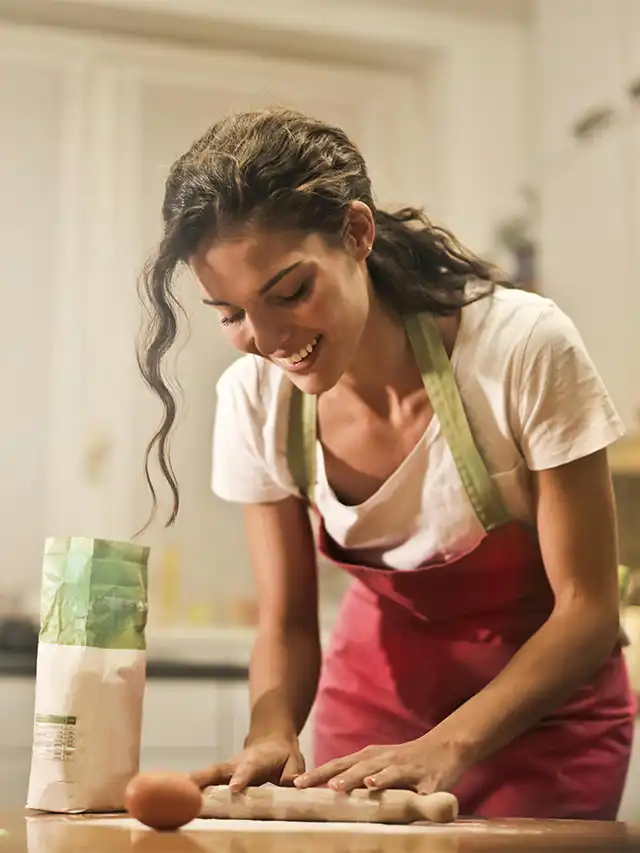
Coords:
293,300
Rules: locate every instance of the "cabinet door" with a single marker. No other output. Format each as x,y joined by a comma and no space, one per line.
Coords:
34,99
178,100
15,765
181,715
16,735
235,722
578,45
16,711
586,262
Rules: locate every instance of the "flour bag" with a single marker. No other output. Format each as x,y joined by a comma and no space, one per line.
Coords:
90,675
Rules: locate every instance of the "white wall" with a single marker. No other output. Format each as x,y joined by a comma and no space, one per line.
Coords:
454,137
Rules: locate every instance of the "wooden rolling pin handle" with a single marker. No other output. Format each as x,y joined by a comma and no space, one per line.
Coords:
441,807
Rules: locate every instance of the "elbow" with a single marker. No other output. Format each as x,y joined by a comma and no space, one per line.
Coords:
597,620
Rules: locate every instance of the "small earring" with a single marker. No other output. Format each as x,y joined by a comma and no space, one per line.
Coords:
369,248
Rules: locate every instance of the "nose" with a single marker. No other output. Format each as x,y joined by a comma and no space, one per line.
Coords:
270,337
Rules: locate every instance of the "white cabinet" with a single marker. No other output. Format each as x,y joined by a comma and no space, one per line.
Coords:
187,724
16,711
17,697
82,173
190,724
35,96
176,101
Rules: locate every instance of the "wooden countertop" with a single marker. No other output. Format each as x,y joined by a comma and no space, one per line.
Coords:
23,832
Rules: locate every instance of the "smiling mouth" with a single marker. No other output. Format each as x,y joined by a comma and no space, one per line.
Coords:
297,360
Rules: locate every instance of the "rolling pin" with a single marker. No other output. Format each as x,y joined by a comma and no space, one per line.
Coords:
270,802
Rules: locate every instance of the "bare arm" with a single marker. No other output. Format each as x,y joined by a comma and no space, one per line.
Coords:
285,662
577,532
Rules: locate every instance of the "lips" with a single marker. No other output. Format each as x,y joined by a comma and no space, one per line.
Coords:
302,358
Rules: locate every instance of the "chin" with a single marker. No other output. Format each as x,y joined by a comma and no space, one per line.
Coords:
314,383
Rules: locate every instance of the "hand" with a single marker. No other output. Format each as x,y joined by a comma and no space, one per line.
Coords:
425,765
273,760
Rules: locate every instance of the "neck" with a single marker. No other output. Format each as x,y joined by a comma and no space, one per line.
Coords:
384,366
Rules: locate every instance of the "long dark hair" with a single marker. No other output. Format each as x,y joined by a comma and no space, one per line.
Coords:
278,169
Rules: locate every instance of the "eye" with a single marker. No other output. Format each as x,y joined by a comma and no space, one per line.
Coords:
299,294
235,318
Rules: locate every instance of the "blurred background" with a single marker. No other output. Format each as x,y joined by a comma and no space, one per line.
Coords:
515,123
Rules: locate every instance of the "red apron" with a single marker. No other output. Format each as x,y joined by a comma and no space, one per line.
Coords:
410,647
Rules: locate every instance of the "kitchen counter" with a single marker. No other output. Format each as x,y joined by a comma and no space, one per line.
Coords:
28,833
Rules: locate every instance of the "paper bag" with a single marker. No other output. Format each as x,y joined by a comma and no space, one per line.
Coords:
90,675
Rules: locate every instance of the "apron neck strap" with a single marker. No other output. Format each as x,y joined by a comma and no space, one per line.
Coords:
439,382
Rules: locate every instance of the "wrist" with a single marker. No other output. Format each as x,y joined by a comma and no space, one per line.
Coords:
464,745
276,730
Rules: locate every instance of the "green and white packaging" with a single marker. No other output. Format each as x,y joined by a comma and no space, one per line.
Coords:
90,675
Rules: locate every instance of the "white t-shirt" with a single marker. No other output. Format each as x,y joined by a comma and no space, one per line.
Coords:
533,398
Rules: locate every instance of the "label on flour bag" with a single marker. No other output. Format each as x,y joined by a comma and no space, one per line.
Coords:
90,675
54,737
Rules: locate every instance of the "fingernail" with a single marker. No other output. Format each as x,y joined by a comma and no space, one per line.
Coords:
371,782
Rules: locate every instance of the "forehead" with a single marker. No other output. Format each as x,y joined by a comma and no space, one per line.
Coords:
247,259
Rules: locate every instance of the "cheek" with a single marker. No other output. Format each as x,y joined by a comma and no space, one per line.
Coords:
346,297
239,338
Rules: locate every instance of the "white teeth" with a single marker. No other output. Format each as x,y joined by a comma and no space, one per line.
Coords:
297,357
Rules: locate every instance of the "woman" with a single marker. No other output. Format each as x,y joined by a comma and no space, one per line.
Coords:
450,434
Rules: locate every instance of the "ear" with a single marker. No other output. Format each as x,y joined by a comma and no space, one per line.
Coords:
359,230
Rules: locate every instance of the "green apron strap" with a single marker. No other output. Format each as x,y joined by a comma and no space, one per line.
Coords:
439,381
301,441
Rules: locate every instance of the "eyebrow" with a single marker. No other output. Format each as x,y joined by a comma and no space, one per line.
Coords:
265,287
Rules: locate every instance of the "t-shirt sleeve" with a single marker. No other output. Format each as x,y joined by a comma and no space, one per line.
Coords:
564,411
239,469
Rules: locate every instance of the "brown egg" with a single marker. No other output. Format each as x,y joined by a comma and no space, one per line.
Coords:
163,800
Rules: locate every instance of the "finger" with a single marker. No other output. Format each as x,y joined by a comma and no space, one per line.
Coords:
393,776
216,774
257,769
428,786
294,768
245,774
254,773
354,777
321,775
